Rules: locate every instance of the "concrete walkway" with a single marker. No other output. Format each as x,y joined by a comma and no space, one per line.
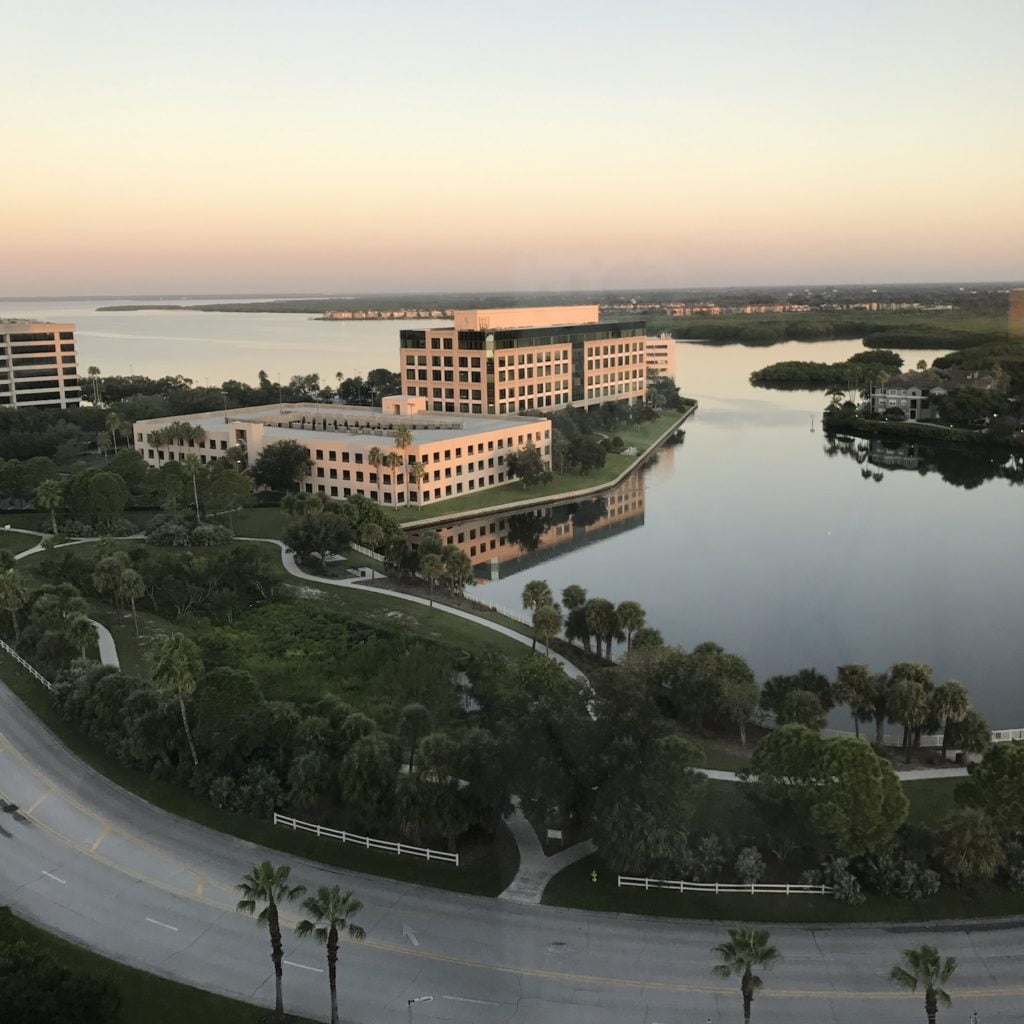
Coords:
907,775
536,869
108,649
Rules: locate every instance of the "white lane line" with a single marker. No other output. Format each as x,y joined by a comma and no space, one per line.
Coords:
169,927
55,878
291,963
463,999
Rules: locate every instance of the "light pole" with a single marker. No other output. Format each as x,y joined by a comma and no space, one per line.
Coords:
418,999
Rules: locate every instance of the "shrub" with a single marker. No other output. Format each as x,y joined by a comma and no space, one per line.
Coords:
749,865
892,873
837,874
173,531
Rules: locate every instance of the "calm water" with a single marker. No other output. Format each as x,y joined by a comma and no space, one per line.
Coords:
748,533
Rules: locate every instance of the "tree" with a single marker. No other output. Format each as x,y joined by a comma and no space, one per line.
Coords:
996,786
631,618
573,597
802,707
416,472
323,533
856,687
547,621
432,569
95,495
746,950
602,622
130,587
647,637
367,777
458,569
413,722
375,458
281,465
949,704
777,688
969,847
116,425
79,632
393,460
528,465
268,885
330,911
536,593
972,735
13,597
908,706
192,469
49,497
923,966
737,692
176,666
94,376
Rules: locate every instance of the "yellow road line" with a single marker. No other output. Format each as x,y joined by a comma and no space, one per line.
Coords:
196,895
38,800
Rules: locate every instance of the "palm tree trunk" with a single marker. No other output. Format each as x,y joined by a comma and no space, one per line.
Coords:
945,739
879,731
188,731
856,726
743,734
53,521
195,495
332,972
277,956
135,617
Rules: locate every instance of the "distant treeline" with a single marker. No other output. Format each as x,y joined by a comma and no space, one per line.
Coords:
854,372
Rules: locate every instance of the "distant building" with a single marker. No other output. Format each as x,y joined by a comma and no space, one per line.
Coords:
38,365
660,356
453,455
501,361
914,391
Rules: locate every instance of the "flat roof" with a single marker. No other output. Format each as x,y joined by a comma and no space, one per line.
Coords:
450,426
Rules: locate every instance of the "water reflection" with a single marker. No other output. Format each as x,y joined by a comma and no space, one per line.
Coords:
960,467
501,545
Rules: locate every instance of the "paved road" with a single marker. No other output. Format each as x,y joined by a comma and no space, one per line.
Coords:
94,863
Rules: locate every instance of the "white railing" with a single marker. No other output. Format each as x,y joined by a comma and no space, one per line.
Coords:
32,671
369,552
367,842
626,881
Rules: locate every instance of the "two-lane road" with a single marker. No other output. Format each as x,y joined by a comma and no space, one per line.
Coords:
96,864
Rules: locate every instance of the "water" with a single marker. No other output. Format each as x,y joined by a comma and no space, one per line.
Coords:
747,533
214,347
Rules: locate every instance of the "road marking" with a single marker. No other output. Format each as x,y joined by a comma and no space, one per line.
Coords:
383,947
39,799
408,933
199,888
169,927
55,878
99,839
464,999
291,963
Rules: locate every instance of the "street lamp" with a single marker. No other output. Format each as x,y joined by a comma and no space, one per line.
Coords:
418,999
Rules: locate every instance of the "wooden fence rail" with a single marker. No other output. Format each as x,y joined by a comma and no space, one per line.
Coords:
626,881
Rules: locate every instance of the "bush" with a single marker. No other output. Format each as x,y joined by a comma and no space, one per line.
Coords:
837,874
892,873
1014,866
171,531
749,865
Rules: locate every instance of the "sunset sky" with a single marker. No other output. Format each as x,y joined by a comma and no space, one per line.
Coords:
387,146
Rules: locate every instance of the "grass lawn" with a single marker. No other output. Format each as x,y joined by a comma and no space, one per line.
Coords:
640,435
145,997
17,542
931,800
259,522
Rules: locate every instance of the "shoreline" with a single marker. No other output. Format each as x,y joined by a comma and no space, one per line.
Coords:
554,499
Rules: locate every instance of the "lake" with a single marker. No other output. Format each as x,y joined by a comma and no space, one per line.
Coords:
749,533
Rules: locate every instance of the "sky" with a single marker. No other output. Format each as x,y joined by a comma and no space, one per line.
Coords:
346,146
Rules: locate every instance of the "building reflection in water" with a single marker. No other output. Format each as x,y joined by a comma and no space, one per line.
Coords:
502,545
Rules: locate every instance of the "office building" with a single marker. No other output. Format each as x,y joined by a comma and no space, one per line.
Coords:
38,365
448,455
660,357
501,361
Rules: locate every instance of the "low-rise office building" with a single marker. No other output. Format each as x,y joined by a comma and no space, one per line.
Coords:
38,365
501,361
447,455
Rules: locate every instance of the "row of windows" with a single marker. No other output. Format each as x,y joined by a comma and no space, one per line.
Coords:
465,376
474,448
464,361
540,371
526,359
528,389
421,497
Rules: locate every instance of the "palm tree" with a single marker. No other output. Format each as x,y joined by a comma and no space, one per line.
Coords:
94,375
329,912
417,471
116,425
49,497
13,597
375,458
923,966
908,706
536,594
432,569
603,622
192,467
269,885
177,665
631,618
547,621
574,596
746,949
371,536
403,440
393,460
131,586
949,704
79,632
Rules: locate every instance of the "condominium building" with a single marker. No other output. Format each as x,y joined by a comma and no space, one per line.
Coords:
500,361
448,455
660,358
38,365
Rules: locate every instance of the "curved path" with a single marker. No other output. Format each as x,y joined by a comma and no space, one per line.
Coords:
88,860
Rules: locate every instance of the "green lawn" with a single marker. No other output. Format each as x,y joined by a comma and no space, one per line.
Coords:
640,435
146,997
931,800
17,542
259,522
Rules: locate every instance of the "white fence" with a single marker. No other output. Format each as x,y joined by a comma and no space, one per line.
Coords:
25,665
367,842
719,887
